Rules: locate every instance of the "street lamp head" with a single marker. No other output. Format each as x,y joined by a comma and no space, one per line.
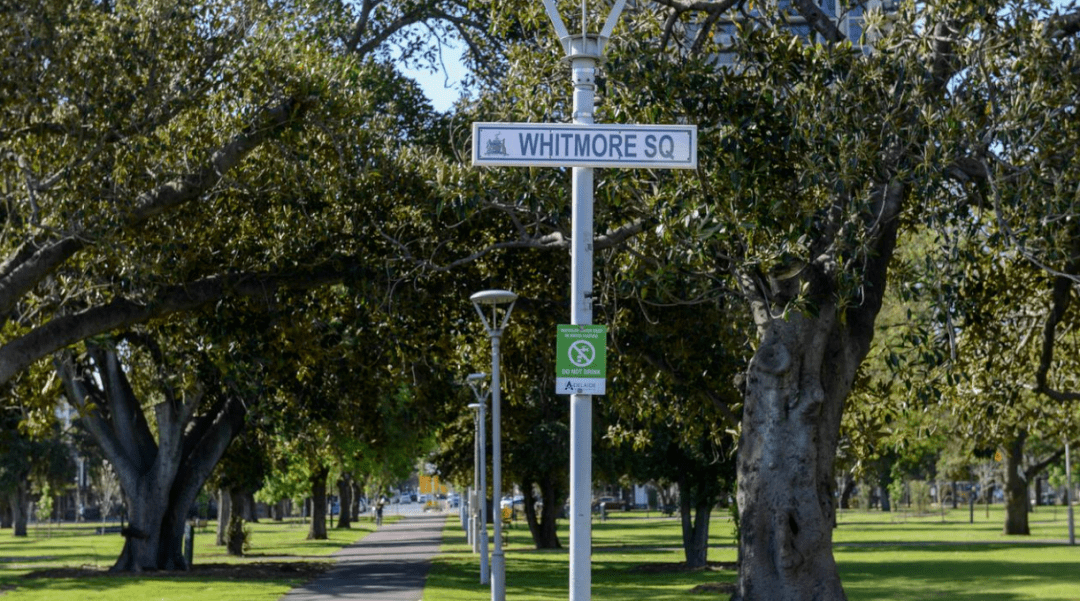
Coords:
476,377
474,405
493,297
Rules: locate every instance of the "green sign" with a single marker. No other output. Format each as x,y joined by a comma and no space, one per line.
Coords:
581,359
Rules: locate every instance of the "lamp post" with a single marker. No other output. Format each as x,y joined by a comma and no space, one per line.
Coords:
1069,494
479,514
470,503
493,299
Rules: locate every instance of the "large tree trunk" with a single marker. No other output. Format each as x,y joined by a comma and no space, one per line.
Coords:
542,527
234,531
1016,483
317,531
796,386
19,499
5,512
1016,488
344,485
790,426
160,476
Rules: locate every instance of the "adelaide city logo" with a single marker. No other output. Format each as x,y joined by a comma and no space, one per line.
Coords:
497,147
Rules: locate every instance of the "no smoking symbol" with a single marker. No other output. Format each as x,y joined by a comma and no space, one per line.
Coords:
582,353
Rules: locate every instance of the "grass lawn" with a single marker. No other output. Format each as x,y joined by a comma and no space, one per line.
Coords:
881,557
61,561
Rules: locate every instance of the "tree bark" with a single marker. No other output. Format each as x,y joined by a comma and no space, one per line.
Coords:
796,385
160,476
695,514
344,485
543,527
224,513
19,500
1016,488
317,531
251,507
785,464
5,512
847,491
234,531
357,492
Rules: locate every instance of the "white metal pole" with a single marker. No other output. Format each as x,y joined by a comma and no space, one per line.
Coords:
482,498
584,54
473,539
498,562
1069,494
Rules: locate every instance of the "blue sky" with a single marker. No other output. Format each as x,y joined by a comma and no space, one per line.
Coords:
444,87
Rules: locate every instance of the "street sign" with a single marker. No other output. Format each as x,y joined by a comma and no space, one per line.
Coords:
581,359
580,145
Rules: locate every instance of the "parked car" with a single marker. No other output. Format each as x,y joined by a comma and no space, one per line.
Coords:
517,502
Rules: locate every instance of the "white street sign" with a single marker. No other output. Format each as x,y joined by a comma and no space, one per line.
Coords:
579,145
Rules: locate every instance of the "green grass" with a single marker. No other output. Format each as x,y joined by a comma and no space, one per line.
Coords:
76,546
624,548
881,557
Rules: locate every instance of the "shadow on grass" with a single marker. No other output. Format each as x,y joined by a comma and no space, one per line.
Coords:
958,579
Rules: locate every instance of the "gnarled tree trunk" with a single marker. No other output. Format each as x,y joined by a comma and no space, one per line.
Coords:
160,475
796,386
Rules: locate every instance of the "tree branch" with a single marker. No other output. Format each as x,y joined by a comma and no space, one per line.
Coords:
818,20
24,270
121,312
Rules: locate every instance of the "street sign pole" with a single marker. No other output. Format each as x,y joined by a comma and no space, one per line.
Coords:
584,52
583,146
583,56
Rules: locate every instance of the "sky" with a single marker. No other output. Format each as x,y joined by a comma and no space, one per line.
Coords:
444,87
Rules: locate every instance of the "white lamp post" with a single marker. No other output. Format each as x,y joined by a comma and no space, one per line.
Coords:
1069,494
478,515
493,299
467,503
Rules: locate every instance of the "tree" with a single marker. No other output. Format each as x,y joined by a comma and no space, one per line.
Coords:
813,154
162,469
219,117
171,180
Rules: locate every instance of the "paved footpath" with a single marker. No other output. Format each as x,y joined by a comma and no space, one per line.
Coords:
390,564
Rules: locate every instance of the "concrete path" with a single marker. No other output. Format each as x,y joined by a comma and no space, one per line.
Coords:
390,564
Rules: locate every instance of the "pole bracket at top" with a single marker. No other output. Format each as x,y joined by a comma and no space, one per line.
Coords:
589,46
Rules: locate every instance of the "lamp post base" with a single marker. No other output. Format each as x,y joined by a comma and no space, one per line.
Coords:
498,576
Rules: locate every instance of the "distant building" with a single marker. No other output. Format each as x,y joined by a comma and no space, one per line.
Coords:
848,19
